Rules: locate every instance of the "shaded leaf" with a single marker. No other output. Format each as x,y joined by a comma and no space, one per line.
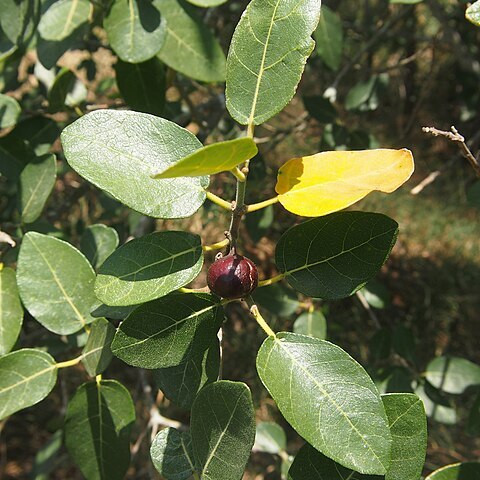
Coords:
9,111
62,86
97,353
328,398
98,421
171,454
211,159
277,299
149,267
259,222
319,184
332,257
114,313
38,132
408,426
436,408
62,18
98,242
47,458
134,29
56,283
376,294
26,377
270,438
329,38
36,183
267,56
311,323
223,430
11,311
452,374
182,382
118,151
142,85
168,331
457,471
190,47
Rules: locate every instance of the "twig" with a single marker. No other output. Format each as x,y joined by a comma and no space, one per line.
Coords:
371,313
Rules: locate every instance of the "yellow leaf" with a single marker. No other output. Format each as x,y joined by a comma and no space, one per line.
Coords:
330,181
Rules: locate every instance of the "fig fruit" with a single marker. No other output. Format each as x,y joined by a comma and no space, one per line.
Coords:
232,276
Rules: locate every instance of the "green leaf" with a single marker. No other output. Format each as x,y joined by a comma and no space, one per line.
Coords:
114,313
216,158
329,38
310,464
270,438
473,13
97,353
118,151
328,398
97,429
142,85
26,377
181,383
62,18
452,374
408,426
38,132
168,331
134,29
473,424
267,56
312,324
47,458
223,430
259,222
207,3
13,19
149,267
11,311
376,294
56,283
436,407
331,257
14,154
457,471
62,86
190,47
171,454
98,242
277,299
9,111
36,183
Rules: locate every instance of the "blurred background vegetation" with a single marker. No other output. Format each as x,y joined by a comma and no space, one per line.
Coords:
380,72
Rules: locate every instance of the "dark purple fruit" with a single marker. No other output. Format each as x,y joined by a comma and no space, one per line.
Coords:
232,276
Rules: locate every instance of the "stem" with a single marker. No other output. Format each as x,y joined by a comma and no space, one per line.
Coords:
258,206
219,201
239,175
78,111
271,281
237,213
215,246
195,476
258,317
69,363
250,130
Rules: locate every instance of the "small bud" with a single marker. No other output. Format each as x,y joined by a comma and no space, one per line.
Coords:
232,276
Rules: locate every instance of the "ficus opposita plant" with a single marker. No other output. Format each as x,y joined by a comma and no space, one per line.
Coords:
134,301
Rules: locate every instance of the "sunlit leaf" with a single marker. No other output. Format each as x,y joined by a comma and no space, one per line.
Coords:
222,427
211,159
436,407
267,56
332,257
168,331
26,377
311,323
11,311
207,3
119,151
97,429
452,374
270,437
473,13
149,267
56,283
330,181
457,471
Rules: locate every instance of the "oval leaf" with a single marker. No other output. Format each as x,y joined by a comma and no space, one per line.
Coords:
332,257
11,311
329,38
190,47
134,29
97,429
98,242
207,3
97,354
56,283
182,382
408,426
267,56
36,183
62,18
330,181
312,324
171,454
270,437
63,84
453,374
457,471
472,13
168,331
9,111
149,267
328,398
309,463
211,159
118,151
223,430
26,377
38,132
